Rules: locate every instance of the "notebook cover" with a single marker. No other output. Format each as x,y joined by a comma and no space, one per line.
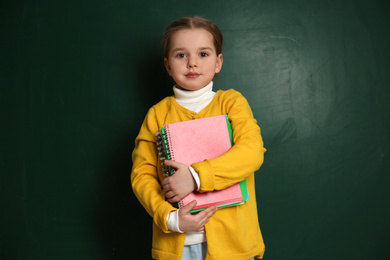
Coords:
196,140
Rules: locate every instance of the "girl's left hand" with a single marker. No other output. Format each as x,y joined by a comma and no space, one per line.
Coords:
179,184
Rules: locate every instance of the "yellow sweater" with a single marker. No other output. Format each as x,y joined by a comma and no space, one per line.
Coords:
232,233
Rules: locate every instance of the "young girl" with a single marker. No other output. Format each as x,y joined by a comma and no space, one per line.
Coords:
193,56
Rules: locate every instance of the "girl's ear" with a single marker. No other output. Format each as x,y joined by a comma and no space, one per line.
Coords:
218,65
167,67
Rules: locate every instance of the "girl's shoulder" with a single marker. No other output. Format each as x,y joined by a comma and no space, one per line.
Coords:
230,94
232,100
164,103
228,91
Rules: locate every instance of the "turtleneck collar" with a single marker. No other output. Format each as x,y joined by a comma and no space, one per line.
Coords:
197,96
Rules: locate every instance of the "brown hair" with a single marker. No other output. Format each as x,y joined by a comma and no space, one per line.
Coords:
193,23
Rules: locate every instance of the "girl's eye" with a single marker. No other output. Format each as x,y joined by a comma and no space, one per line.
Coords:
203,54
180,55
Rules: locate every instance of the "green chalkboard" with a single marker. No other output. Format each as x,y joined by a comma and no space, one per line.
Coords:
76,80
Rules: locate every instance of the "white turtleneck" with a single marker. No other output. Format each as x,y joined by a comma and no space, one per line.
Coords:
194,101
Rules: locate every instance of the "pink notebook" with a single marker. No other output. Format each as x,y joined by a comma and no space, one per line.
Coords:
194,141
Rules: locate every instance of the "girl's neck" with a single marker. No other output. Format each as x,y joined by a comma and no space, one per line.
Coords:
185,96
194,100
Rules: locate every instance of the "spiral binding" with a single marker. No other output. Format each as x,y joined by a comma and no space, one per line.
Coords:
164,151
163,154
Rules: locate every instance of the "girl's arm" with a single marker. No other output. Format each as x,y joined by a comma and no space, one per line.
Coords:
147,185
145,179
247,153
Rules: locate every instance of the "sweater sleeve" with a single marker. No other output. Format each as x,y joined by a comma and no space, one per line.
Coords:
144,176
244,158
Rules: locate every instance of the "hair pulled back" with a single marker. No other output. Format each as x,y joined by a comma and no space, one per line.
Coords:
193,23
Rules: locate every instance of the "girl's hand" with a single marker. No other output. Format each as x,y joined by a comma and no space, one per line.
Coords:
179,184
194,223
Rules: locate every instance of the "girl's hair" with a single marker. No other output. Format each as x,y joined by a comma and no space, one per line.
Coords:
193,23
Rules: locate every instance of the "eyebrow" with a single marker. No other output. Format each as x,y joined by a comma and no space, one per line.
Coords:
201,48
207,48
177,49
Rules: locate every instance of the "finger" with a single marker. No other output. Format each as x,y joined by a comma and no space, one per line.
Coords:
173,164
170,194
203,223
207,211
204,217
165,181
174,199
206,214
167,187
189,206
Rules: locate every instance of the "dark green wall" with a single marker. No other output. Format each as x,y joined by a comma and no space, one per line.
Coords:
77,77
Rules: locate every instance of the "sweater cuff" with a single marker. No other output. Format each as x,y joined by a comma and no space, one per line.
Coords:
195,174
206,175
173,221
161,214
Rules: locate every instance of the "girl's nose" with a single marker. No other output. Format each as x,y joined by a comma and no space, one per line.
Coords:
192,63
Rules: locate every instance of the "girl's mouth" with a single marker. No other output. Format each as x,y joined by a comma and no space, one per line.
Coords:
192,75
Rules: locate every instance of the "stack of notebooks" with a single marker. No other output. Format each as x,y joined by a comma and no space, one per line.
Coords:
194,141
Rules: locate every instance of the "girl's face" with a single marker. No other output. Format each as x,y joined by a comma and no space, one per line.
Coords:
192,60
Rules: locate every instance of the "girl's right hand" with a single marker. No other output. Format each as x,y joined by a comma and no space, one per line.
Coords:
194,223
